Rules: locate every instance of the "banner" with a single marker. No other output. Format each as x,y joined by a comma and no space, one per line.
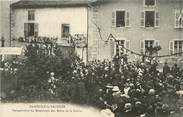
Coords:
10,50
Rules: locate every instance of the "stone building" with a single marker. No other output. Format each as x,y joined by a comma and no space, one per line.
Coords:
109,25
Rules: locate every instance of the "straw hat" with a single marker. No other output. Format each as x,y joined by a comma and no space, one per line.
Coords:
115,89
151,91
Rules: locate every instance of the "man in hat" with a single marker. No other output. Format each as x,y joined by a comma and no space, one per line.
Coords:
175,69
129,111
117,101
139,108
166,68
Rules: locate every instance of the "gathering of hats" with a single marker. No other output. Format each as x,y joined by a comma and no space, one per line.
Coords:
128,89
131,89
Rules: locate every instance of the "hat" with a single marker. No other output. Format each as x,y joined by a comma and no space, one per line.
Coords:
181,108
170,76
107,113
131,85
128,79
109,86
52,73
138,103
125,96
152,91
128,105
115,88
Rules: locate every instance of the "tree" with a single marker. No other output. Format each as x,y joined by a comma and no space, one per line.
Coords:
33,72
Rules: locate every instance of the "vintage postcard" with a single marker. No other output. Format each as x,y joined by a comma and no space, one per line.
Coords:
94,58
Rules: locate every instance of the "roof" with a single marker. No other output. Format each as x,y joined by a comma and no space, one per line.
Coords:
51,3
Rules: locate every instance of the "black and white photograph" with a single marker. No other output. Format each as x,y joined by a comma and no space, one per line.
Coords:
114,58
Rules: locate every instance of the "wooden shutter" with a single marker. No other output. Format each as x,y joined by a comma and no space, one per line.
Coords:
142,23
114,19
157,19
171,44
26,30
36,29
177,16
127,19
127,45
113,49
157,43
142,46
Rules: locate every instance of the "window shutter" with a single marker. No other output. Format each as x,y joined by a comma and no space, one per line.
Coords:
127,45
113,49
157,43
171,47
142,23
177,17
114,19
127,19
36,29
157,20
142,46
26,29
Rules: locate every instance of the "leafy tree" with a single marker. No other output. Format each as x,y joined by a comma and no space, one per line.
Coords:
32,73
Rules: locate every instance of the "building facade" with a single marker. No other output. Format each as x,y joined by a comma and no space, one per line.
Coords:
109,25
139,24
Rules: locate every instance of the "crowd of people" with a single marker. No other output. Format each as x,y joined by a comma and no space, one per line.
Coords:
118,88
128,89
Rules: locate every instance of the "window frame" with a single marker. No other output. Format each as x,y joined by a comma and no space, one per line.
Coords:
144,4
180,25
62,25
115,52
114,18
29,11
174,40
123,17
156,19
154,22
35,31
125,41
143,49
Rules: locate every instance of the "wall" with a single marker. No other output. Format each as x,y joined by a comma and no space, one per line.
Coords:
135,33
50,21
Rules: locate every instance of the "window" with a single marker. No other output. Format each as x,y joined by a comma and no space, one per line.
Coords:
179,18
176,46
65,30
120,45
31,29
149,2
148,44
120,18
31,15
150,19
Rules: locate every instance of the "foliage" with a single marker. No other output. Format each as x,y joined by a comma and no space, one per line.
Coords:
32,73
